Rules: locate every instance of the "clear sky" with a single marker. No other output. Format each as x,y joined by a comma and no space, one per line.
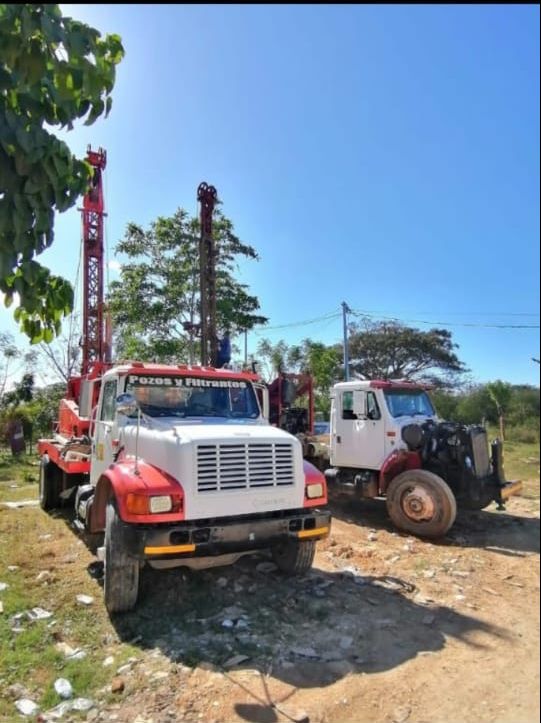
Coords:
386,156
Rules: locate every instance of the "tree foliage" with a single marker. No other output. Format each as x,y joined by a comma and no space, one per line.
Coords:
53,71
11,360
62,357
155,305
389,350
313,357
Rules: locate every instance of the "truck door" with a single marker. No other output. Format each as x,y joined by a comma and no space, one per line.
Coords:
104,430
358,438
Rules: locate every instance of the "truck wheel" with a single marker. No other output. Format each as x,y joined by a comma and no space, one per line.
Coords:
294,557
49,487
121,571
421,503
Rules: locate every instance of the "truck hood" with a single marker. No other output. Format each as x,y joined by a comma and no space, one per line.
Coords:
224,468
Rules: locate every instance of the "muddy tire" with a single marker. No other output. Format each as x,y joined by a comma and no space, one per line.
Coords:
121,571
49,484
294,557
421,503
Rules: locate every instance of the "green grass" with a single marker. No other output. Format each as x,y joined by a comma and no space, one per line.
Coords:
22,471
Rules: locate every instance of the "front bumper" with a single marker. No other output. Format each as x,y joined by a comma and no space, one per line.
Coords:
204,538
509,489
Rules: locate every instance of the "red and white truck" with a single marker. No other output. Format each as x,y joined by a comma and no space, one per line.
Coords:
176,465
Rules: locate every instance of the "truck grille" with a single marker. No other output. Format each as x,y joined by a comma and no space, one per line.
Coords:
244,466
481,459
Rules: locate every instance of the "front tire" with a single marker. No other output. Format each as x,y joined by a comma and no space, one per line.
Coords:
421,503
49,484
294,557
121,571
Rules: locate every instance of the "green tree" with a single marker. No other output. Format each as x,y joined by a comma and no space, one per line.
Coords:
389,350
53,71
500,394
11,360
155,305
313,357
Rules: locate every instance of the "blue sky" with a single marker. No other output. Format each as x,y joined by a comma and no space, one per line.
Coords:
386,155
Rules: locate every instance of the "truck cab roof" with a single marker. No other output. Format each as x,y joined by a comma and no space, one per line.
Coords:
180,370
365,384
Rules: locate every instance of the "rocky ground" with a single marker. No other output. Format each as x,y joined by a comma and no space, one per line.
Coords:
385,628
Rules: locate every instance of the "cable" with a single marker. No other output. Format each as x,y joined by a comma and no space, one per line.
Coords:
446,323
325,317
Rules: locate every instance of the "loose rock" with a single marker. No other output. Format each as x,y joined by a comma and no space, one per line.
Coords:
63,688
85,599
26,706
117,685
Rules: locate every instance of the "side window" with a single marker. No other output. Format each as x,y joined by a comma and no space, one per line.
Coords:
372,409
108,405
347,406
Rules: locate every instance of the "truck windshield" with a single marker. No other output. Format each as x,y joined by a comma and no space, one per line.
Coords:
193,397
404,403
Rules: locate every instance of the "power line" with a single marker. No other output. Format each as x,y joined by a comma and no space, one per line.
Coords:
446,323
306,322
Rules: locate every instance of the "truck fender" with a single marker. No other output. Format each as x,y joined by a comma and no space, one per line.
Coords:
313,476
121,479
398,461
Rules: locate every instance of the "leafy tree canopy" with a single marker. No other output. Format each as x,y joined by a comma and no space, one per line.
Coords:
155,305
53,71
389,350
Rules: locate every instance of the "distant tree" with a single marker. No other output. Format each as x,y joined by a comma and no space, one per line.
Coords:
53,71
155,305
500,393
446,403
389,350
12,359
321,361
62,357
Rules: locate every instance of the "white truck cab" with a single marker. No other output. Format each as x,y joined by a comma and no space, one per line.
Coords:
367,418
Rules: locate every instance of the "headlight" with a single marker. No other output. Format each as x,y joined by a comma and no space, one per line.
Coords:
314,491
160,504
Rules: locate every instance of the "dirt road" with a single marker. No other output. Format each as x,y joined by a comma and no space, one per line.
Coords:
386,628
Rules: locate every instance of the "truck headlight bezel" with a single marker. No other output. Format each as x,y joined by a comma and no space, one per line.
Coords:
314,490
160,504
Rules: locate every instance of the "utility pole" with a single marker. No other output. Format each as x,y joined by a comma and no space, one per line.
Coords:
246,348
345,311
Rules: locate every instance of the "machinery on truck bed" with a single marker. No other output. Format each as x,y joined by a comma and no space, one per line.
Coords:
386,440
176,465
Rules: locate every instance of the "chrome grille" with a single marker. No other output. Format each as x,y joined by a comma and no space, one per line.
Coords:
244,466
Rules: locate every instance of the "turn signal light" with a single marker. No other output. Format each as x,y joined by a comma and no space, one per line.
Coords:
137,504
155,505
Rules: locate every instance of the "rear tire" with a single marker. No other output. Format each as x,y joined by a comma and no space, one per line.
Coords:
49,484
121,571
421,503
294,557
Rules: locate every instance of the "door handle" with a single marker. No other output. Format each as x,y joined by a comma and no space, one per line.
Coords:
338,439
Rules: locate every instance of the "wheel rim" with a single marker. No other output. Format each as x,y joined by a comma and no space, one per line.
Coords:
417,504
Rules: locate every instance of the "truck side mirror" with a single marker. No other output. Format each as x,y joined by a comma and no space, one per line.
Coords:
126,404
359,404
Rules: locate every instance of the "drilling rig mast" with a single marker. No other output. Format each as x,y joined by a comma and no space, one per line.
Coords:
96,346
207,197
